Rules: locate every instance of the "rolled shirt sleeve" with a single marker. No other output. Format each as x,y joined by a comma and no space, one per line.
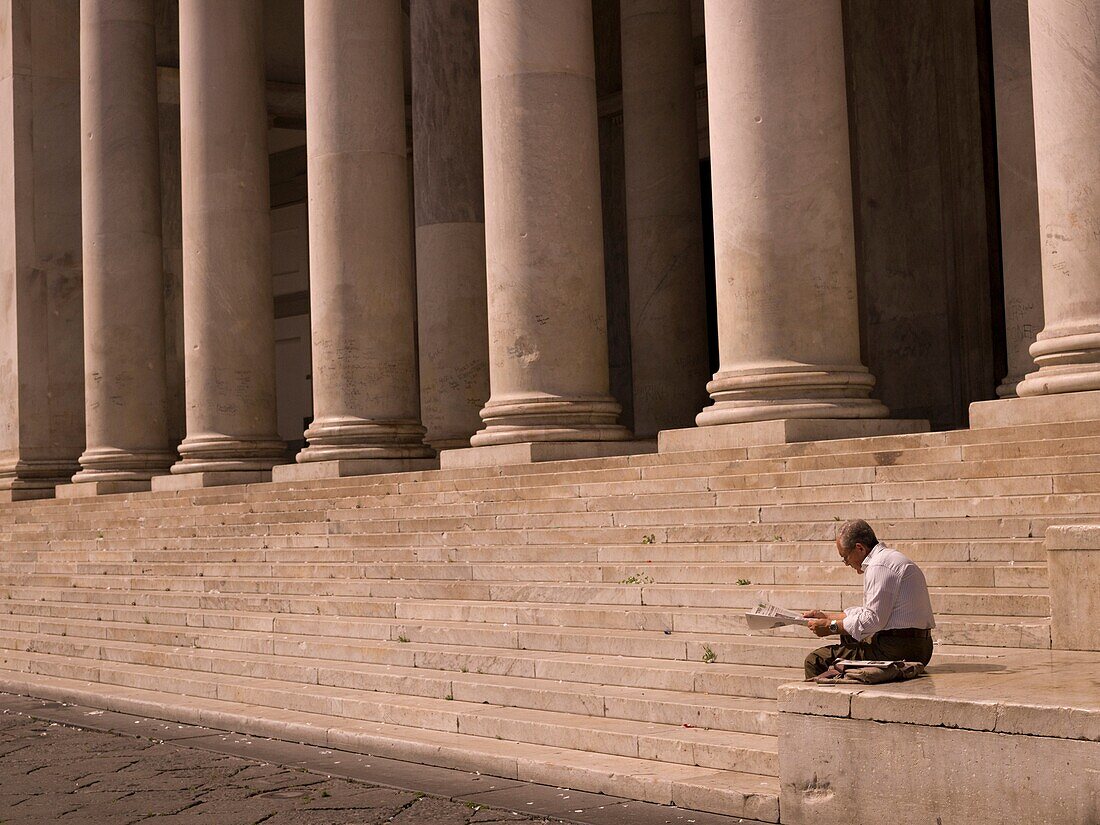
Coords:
880,591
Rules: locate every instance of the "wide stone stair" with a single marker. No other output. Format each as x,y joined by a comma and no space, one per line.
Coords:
574,623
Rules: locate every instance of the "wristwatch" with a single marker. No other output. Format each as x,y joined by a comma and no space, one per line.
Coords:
833,627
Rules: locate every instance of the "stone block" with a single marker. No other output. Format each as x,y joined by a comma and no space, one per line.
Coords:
342,468
1038,409
86,489
198,481
1073,559
530,452
781,431
850,770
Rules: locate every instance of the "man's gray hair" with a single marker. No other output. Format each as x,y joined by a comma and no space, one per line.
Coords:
854,532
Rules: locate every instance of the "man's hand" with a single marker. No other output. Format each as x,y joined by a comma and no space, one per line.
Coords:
814,614
819,626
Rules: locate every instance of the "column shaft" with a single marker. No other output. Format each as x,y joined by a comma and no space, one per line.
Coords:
1065,66
227,292
41,320
788,325
668,329
450,219
543,227
362,290
1019,200
124,385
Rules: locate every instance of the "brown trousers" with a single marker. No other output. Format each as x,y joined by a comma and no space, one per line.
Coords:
893,648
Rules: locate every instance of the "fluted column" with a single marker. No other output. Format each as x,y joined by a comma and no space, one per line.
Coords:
124,384
788,325
543,230
1019,200
668,330
450,219
1065,70
362,293
227,290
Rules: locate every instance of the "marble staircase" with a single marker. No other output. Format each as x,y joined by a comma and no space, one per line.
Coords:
576,623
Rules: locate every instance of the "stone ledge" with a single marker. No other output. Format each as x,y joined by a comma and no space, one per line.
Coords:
199,481
87,489
1073,562
842,771
530,452
1038,409
1012,740
782,431
1045,694
345,468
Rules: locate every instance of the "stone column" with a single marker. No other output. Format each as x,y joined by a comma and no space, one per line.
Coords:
543,230
1019,200
41,363
227,291
1065,66
788,325
668,312
450,219
124,366
362,291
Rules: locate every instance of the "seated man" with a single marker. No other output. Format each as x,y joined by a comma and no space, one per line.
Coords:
895,620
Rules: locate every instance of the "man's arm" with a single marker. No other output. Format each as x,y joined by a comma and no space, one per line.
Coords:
819,622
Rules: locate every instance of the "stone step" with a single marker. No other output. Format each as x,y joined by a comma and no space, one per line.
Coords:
966,574
267,633
625,672
726,792
1006,601
1012,550
661,510
686,492
896,530
240,612
1073,446
703,747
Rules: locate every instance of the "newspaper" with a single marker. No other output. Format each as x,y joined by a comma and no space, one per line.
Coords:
767,616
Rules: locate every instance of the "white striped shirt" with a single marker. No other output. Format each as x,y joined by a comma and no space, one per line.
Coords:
895,595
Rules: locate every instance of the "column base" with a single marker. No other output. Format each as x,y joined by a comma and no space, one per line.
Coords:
1036,409
336,438
343,468
32,492
199,480
28,480
206,453
112,464
1068,360
784,390
530,452
534,418
782,431
88,489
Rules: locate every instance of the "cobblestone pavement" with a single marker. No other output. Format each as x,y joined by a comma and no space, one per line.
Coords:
50,773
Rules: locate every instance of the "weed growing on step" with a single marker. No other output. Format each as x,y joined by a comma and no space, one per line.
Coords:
450,697
650,539
403,639
637,578
743,582
709,655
